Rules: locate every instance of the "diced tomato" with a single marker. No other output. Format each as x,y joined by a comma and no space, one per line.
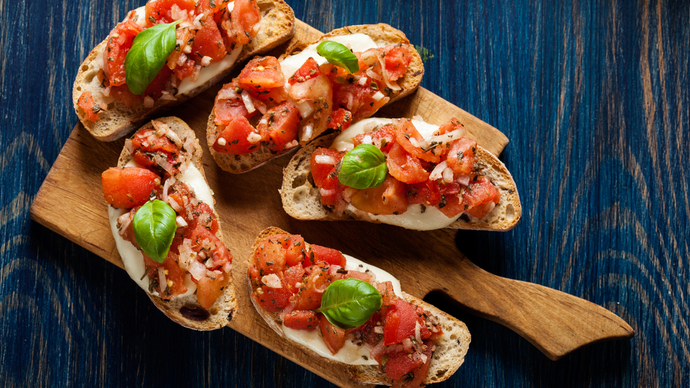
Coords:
401,320
208,42
419,374
233,139
270,257
461,155
397,59
311,291
128,187
334,337
89,106
301,320
450,205
279,126
148,141
203,216
119,42
449,188
359,275
159,83
399,364
405,167
208,290
387,293
405,132
307,71
451,126
202,237
321,170
160,11
273,299
261,74
357,98
382,137
388,198
174,276
480,196
185,70
426,193
211,7
123,95
293,275
295,247
340,120
329,255
245,15
229,105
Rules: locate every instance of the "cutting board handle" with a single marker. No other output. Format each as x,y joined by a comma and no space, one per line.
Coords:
555,322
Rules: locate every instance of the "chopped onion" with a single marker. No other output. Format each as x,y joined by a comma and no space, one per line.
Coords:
272,281
447,175
187,255
167,96
367,139
148,102
205,61
173,204
305,109
197,270
307,131
377,96
437,172
166,187
417,332
181,223
442,139
162,161
195,76
324,159
391,85
463,179
362,81
378,329
181,59
291,144
260,106
161,279
222,142
253,137
128,146
123,223
248,102
227,94
326,193
227,267
371,73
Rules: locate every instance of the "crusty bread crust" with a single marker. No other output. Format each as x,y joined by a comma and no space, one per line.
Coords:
301,199
381,34
277,26
186,311
449,355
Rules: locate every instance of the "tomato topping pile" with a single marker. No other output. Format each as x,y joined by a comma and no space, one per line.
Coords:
440,172
196,249
207,33
289,276
257,110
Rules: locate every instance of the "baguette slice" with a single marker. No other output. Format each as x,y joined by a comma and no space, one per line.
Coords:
186,310
301,199
382,34
277,26
449,355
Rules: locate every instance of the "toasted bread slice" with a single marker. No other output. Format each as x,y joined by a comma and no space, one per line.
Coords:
277,26
449,355
381,34
186,310
301,199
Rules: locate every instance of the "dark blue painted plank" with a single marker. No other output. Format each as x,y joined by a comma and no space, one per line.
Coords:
593,98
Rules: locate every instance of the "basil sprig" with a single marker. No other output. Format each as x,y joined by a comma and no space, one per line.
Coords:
349,303
154,228
148,55
363,167
339,55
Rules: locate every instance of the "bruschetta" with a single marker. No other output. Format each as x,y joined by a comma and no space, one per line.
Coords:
168,51
162,217
275,105
401,172
347,313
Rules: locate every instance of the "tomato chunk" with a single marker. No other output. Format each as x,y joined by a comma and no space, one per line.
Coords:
323,162
334,337
292,276
301,320
397,60
261,74
119,42
461,155
270,257
401,320
426,193
389,198
405,167
329,255
160,11
383,137
307,71
406,131
272,299
209,43
245,15
279,126
229,105
128,187
89,106
340,120
234,138
208,290
480,197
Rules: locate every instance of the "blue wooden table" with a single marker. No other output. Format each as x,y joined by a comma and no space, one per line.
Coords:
593,96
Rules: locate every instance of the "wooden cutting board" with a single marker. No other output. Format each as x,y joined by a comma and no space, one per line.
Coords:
250,202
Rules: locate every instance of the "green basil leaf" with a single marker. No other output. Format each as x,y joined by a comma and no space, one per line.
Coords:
349,303
339,55
154,228
363,167
148,55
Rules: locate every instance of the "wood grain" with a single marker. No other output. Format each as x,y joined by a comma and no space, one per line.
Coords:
594,99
